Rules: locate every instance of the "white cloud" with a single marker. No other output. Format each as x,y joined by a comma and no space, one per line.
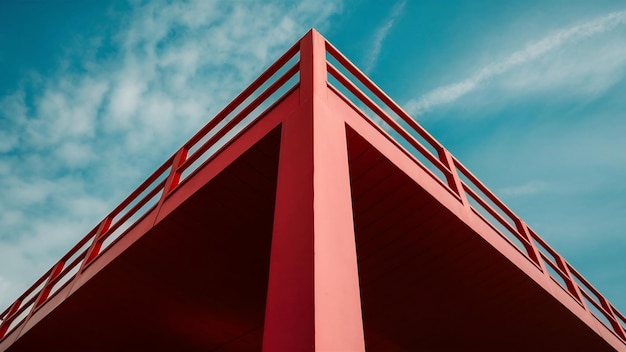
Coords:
381,34
11,105
5,286
531,53
74,154
7,141
587,69
526,189
124,101
84,137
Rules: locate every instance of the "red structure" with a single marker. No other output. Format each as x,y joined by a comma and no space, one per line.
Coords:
312,214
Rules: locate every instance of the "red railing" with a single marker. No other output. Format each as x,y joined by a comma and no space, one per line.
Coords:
430,155
269,88
359,91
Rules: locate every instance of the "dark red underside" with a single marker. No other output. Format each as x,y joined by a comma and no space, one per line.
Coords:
198,280
429,283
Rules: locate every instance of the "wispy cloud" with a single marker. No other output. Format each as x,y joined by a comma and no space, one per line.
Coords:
533,51
526,189
381,34
75,143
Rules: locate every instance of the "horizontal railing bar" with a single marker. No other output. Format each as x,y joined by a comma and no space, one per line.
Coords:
239,117
8,314
437,179
119,222
45,276
381,95
10,311
25,305
496,215
523,251
544,245
30,290
383,115
269,108
68,268
599,307
92,233
145,185
80,244
476,182
619,314
269,72
586,283
555,267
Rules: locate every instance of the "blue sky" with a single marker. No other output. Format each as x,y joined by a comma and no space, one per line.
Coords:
530,95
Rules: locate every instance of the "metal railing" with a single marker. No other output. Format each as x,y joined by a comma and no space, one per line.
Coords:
356,89
268,89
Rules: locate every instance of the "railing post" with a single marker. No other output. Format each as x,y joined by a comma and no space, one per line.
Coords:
4,325
535,256
96,244
453,178
43,295
45,291
532,250
572,286
615,324
174,176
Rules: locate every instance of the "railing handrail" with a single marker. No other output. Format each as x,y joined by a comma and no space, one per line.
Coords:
514,225
146,191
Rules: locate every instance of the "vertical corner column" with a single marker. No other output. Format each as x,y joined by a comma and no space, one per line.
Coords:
289,311
338,315
313,299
